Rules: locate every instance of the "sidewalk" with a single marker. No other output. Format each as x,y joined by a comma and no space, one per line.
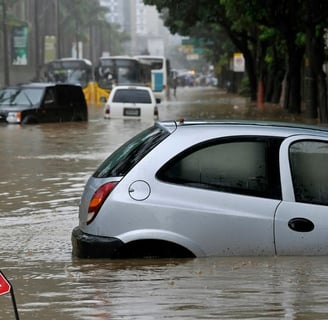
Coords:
209,94
216,103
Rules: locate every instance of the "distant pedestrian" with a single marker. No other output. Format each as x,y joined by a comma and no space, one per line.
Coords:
174,86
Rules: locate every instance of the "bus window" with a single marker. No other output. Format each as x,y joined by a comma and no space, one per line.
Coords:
72,71
119,70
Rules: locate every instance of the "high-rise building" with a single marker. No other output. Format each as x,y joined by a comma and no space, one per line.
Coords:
142,23
116,14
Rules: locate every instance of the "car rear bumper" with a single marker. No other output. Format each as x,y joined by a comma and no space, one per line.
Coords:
90,246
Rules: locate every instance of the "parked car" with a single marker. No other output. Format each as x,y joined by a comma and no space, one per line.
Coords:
42,102
131,102
195,189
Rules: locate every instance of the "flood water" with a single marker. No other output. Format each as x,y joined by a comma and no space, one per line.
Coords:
43,172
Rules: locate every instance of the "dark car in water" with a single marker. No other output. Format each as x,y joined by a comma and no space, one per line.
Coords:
42,102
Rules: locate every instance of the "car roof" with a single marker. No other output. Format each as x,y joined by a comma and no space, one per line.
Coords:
122,57
261,126
138,87
88,62
149,57
40,85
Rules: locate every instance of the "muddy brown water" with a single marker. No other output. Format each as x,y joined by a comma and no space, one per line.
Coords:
43,172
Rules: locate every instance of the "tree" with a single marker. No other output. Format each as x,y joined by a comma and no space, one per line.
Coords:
76,17
273,35
301,24
84,20
316,21
182,16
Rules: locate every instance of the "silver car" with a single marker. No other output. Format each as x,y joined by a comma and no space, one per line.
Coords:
195,189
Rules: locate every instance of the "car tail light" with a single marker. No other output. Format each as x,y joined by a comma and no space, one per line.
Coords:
98,199
107,110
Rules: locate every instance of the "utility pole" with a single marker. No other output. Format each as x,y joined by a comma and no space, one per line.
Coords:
37,40
5,43
57,12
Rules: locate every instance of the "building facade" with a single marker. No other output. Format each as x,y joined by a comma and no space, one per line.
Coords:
35,33
142,23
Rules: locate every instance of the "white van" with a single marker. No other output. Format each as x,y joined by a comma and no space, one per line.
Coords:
131,102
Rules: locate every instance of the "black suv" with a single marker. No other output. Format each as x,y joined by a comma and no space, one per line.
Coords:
42,102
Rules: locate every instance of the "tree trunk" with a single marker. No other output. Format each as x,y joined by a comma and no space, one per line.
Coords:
292,101
317,102
250,69
322,98
310,97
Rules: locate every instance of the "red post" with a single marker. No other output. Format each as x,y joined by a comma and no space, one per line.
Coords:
5,287
260,95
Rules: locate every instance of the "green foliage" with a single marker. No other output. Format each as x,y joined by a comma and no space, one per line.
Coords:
114,39
244,89
270,34
77,16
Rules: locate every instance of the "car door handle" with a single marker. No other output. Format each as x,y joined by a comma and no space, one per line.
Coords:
301,225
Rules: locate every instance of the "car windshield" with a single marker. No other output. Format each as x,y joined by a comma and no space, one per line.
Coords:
129,154
20,96
132,96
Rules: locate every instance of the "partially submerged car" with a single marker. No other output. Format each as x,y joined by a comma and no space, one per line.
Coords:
42,102
220,188
131,102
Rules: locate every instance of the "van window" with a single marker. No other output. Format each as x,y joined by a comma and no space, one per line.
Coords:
132,96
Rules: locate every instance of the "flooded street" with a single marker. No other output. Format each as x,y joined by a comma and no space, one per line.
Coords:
43,172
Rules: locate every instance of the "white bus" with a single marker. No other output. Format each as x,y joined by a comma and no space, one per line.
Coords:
119,70
160,75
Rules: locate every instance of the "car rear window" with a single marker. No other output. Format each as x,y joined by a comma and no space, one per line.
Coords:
132,96
120,162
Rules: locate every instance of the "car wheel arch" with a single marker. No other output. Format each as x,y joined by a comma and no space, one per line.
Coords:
163,237
153,248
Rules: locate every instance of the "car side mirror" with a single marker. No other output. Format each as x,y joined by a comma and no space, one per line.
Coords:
103,99
158,100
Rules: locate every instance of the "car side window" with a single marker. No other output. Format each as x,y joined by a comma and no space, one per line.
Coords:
249,167
49,96
309,168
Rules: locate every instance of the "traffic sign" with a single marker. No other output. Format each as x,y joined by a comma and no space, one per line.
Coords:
5,286
238,62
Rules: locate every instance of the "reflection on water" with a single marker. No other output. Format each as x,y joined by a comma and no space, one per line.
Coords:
211,288
202,103
43,172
